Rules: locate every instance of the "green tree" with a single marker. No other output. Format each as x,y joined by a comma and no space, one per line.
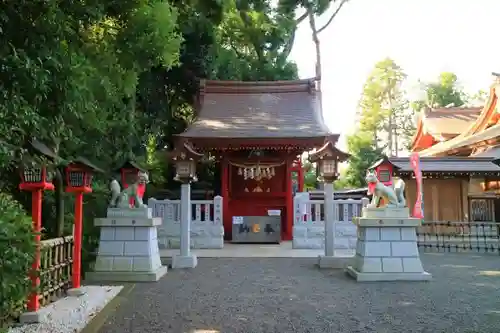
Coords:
444,91
364,153
383,107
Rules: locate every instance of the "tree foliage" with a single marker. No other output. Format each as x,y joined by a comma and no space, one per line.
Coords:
17,246
445,91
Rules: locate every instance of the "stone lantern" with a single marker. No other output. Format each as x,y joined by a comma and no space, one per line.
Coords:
185,158
327,159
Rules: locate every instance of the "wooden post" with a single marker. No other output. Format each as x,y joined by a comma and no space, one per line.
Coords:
36,209
287,234
226,219
300,176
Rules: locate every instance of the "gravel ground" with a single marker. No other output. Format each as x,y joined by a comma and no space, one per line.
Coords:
254,295
71,314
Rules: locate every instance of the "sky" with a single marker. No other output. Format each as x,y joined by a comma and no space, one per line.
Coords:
424,37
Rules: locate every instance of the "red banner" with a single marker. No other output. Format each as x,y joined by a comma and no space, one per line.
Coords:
418,209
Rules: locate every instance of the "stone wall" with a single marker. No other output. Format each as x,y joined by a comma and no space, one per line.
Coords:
312,236
204,235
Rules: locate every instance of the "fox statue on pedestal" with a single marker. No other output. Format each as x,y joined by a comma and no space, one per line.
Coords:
120,199
393,196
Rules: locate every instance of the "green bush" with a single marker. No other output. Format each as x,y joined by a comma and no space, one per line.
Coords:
17,248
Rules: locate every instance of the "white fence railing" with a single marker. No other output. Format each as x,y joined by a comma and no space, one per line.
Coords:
207,231
309,225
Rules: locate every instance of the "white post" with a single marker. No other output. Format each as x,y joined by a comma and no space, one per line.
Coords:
185,259
329,260
185,219
329,221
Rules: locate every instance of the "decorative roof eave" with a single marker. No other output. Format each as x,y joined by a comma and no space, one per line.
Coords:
130,163
489,109
384,159
185,151
479,144
328,149
443,148
418,133
85,163
215,144
445,174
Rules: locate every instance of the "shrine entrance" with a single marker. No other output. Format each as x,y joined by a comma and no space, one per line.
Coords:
258,131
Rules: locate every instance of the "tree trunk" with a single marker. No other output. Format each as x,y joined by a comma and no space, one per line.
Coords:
315,39
59,198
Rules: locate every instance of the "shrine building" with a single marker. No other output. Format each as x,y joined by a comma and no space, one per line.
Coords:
459,151
258,130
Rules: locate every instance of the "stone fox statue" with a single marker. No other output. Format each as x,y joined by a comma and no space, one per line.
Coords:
120,199
394,196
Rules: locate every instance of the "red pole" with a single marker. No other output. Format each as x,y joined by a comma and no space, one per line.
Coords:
287,230
36,215
77,239
301,176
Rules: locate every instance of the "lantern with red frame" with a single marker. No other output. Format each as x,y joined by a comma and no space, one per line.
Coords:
79,181
384,169
79,175
327,158
35,176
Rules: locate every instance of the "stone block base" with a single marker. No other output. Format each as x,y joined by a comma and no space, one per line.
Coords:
179,261
115,276
31,318
204,235
328,262
312,236
381,277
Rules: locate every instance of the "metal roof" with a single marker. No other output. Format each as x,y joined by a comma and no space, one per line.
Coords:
448,164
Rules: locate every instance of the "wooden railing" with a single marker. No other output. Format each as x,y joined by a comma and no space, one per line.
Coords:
55,269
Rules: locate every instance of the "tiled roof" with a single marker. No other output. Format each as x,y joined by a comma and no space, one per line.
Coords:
278,109
449,122
448,164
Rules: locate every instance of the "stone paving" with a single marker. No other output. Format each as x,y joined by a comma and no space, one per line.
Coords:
284,295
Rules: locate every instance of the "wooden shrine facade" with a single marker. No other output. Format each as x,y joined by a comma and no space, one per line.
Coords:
452,187
459,149
258,131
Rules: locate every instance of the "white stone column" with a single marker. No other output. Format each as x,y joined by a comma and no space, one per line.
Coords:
329,221
329,260
186,259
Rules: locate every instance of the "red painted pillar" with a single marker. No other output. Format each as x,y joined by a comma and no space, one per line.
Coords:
289,202
77,239
301,176
36,209
226,216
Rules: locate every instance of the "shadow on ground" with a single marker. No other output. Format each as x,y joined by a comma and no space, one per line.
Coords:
257,295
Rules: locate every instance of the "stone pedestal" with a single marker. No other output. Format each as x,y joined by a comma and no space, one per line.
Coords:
128,247
387,247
